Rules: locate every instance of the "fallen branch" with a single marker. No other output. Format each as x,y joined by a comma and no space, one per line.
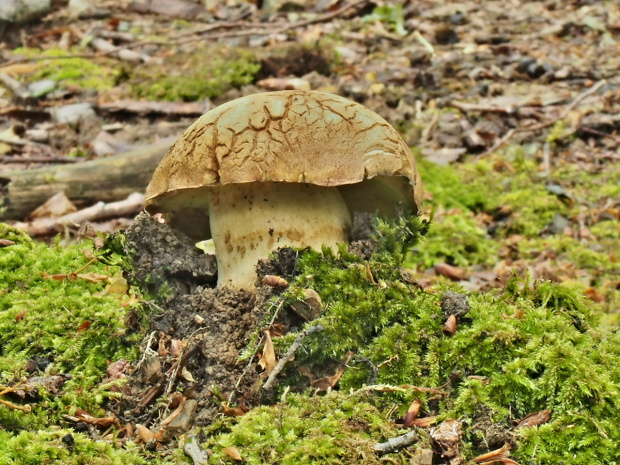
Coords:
397,443
106,179
289,354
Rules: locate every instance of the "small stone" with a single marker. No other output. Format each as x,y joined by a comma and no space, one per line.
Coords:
422,457
183,422
194,450
311,307
151,370
72,114
453,303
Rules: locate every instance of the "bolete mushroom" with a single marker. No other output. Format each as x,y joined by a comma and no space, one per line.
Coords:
281,169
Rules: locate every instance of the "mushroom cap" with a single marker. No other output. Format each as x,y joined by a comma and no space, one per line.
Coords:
288,136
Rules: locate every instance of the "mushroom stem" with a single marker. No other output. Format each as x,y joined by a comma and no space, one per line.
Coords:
251,220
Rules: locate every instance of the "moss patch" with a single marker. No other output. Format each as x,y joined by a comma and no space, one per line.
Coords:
204,73
85,73
501,211
55,322
333,429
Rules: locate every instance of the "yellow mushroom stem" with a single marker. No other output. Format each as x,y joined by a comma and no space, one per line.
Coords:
251,220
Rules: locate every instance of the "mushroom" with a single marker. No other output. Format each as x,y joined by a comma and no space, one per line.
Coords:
281,169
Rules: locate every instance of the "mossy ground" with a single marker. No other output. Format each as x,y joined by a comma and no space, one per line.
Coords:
497,213
69,72
523,348
52,322
203,73
519,351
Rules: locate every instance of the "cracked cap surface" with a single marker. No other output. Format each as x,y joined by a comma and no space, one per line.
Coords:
287,136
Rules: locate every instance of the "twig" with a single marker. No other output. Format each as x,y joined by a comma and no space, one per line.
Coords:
397,443
8,389
509,110
183,39
546,124
567,109
45,226
596,132
289,354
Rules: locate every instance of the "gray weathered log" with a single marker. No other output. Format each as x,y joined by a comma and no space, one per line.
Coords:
105,179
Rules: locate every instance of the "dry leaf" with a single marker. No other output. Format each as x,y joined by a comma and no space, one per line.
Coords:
495,455
93,277
187,375
84,326
232,411
175,413
535,419
412,413
144,433
55,207
449,328
450,272
118,286
268,359
423,422
176,347
233,453
274,281
323,384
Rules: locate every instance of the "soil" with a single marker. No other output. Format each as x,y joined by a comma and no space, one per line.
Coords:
197,332
203,327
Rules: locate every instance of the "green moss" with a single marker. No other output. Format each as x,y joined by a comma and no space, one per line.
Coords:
479,206
61,324
334,429
63,447
525,349
86,73
205,73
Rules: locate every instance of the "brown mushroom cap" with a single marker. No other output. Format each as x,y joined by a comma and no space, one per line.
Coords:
289,136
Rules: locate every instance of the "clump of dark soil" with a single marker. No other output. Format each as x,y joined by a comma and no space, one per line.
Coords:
196,333
162,255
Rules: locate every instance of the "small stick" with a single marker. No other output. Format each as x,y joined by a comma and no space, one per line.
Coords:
568,108
546,124
260,341
397,443
289,354
183,40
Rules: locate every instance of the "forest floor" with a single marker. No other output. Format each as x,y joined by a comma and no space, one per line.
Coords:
511,109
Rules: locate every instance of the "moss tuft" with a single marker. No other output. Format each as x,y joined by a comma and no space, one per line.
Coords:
85,73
